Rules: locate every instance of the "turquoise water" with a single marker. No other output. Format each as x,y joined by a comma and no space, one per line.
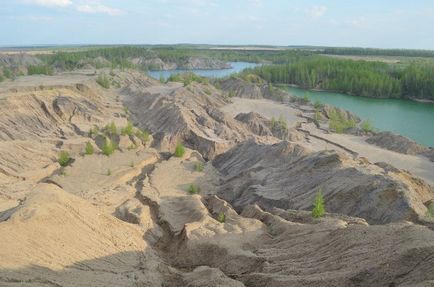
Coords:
220,73
408,118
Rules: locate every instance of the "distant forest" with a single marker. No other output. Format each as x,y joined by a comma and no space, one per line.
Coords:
361,78
301,66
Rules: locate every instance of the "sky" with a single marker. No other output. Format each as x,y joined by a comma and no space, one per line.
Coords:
349,23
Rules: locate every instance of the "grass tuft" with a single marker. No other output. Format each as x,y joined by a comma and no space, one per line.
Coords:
179,150
64,158
193,189
88,150
319,205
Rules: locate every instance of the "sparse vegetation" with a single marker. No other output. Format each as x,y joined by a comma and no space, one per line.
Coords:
198,166
127,130
430,210
339,123
103,81
40,70
367,126
317,105
132,164
142,135
179,150
305,99
319,205
193,189
64,158
93,131
111,129
109,172
221,217
109,147
278,124
162,79
88,150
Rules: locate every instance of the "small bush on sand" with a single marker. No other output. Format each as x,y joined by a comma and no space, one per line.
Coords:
64,158
221,217
132,164
430,211
111,129
109,147
317,105
109,172
103,81
305,99
198,166
319,206
367,126
88,150
179,150
339,123
193,189
142,135
127,130
93,131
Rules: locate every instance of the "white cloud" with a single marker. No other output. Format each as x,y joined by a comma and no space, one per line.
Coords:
58,3
316,11
97,8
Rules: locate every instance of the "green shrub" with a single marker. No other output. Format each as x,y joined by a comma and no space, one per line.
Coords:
278,124
7,73
319,206
430,211
317,105
179,150
88,150
64,158
338,121
111,129
103,81
198,166
109,147
193,189
367,126
109,172
162,79
40,70
306,99
221,217
127,130
93,131
142,135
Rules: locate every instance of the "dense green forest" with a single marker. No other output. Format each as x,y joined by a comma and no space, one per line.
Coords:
377,52
362,78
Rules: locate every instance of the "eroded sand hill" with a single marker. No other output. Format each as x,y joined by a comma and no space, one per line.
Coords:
143,217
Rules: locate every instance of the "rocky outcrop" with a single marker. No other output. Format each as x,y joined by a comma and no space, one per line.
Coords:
398,143
288,176
264,127
186,114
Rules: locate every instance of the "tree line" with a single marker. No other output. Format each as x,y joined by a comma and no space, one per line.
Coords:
361,78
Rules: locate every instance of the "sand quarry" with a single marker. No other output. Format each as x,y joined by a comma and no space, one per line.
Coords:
132,218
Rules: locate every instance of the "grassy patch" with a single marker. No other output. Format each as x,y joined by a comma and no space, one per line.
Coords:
319,205
111,129
64,158
109,147
142,135
193,189
127,130
367,126
40,70
179,150
278,124
221,217
338,121
109,172
198,166
430,211
103,81
88,150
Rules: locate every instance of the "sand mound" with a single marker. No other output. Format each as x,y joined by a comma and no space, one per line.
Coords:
186,114
288,176
264,127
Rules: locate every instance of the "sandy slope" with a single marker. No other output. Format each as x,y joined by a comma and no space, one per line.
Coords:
418,165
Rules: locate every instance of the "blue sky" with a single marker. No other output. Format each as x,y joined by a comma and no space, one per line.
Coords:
364,23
